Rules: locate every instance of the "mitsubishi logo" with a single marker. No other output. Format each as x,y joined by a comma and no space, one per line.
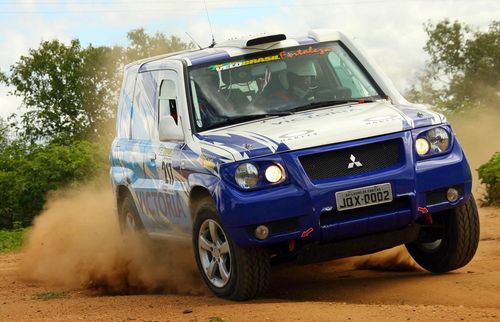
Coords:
354,162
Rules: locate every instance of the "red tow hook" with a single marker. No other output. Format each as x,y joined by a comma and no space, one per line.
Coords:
425,212
306,232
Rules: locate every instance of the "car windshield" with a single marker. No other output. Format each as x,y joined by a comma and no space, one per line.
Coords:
277,82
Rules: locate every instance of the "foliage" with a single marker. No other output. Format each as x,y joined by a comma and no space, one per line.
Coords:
28,173
142,45
489,174
11,240
45,296
216,319
70,92
67,91
69,95
463,67
4,133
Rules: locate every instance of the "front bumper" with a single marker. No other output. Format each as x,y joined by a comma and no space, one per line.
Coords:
305,209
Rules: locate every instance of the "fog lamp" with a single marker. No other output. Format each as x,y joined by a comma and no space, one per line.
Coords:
452,195
261,232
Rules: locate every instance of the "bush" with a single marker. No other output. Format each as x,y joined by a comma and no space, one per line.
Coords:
11,240
489,174
28,173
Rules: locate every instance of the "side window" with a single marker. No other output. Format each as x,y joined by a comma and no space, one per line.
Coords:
167,100
125,104
144,109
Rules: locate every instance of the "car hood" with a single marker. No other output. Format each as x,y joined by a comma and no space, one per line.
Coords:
317,127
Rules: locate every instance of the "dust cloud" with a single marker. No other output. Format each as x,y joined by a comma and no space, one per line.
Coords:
76,242
395,260
478,131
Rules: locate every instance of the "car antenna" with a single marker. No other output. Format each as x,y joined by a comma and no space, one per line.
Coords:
194,41
210,24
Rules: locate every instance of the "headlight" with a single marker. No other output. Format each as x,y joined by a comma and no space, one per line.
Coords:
274,173
422,146
434,141
246,175
439,139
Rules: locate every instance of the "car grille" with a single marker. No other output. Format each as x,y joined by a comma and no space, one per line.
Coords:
369,157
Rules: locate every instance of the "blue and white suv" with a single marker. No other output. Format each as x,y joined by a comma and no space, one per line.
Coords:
273,149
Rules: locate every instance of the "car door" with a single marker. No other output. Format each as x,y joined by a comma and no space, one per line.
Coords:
141,132
168,208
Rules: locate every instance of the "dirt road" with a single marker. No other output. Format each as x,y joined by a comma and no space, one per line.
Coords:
382,287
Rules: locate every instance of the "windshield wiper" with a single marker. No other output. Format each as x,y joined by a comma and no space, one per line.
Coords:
314,105
245,118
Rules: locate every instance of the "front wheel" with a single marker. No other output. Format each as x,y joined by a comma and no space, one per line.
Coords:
455,242
228,270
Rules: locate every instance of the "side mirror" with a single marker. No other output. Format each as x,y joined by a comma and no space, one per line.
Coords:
169,131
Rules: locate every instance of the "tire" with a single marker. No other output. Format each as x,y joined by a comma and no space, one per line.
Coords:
457,241
129,216
229,271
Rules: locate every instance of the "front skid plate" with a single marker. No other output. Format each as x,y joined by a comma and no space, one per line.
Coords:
314,253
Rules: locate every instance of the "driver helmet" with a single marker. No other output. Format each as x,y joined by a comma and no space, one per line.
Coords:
301,73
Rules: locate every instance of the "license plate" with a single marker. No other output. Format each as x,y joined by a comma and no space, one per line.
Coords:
364,196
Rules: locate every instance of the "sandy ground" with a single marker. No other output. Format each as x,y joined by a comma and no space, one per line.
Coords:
333,291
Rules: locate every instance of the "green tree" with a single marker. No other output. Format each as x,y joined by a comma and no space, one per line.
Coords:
69,96
463,70
4,133
67,91
70,92
142,45
28,173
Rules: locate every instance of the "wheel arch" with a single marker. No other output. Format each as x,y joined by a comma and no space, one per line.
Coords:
197,194
201,187
121,192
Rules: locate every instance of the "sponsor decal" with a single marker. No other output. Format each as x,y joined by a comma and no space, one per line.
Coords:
302,52
165,152
207,162
311,115
230,65
166,207
297,135
281,56
381,119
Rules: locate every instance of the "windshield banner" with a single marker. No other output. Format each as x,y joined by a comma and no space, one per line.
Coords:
281,56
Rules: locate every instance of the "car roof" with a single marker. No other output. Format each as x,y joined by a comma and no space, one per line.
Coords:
237,47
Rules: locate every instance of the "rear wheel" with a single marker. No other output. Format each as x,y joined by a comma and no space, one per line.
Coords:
228,270
129,216
455,240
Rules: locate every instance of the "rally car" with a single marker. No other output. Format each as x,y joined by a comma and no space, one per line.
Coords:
271,149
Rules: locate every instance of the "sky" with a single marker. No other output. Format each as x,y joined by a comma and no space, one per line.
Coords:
391,31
